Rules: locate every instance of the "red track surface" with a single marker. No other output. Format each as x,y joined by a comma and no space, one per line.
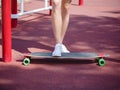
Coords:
94,27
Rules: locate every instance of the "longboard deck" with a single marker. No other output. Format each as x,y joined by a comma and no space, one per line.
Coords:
76,55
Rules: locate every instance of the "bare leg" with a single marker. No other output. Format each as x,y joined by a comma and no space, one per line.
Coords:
65,16
60,19
57,20
57,26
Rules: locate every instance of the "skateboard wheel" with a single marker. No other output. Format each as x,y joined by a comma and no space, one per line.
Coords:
101,62
26,61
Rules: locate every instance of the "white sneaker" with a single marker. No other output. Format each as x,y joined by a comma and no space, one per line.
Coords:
57,50
64,49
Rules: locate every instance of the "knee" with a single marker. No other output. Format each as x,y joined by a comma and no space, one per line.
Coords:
56,4
66,7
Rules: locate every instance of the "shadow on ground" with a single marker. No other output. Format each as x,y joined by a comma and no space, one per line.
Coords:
98,33
67,75
85,33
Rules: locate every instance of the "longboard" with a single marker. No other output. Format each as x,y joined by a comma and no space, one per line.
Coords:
75,55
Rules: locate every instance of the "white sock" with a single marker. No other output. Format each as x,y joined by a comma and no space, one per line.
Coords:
57,51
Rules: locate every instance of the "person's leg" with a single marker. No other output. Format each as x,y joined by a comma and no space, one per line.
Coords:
57,26
65,21
57,20
60,19
65,16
